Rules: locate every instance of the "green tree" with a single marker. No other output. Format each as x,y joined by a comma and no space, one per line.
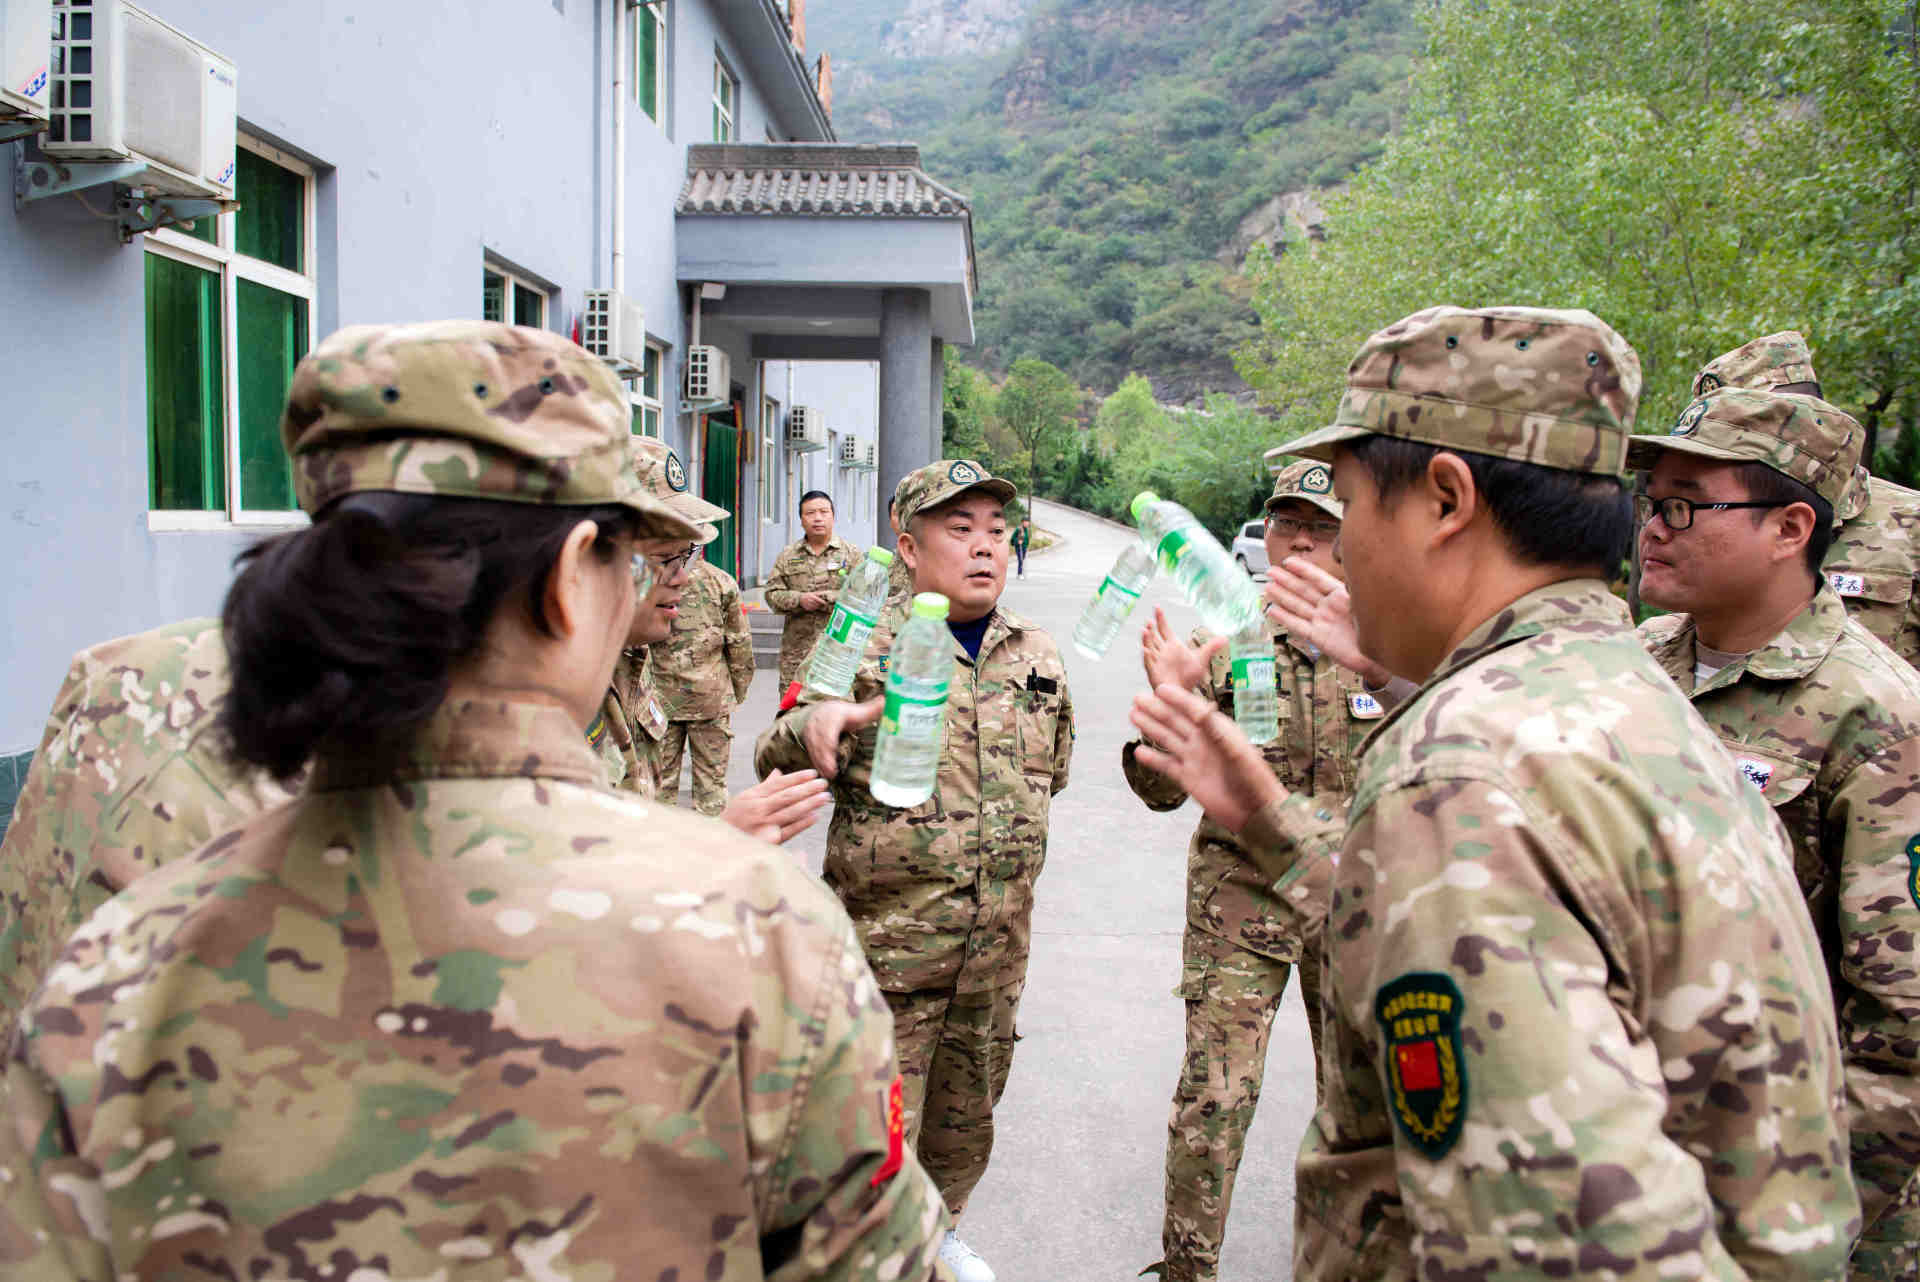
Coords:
966,409
1037,405
1128,413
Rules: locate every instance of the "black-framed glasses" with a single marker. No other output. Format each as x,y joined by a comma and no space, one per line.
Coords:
1287,527
668,566
1678,512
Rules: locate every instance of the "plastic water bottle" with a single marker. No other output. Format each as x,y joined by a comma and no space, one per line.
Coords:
1100,622
1213,582
837,654
1256,702
914,720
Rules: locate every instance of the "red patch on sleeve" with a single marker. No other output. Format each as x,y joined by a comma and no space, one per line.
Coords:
896,1135
791,697
1419,1066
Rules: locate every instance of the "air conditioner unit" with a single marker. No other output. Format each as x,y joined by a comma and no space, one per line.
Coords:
709,375
850,451
806,430
615,330
127,87
870,456
26,44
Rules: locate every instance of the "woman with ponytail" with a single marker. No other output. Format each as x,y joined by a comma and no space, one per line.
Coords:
456,1009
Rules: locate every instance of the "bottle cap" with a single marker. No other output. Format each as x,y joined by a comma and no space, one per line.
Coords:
881,555
1141,502
929,605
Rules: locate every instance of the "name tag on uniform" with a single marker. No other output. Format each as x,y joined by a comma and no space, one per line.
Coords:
834,565
1365,707
1757,773
654,711
1848,584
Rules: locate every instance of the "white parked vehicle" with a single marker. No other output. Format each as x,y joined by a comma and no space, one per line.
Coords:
1250,548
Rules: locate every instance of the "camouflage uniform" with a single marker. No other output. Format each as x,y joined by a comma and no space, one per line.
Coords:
899,578
1239,945
1874,561
1825,721
942,894
128,776
636,726
459,1009
700,673
798,570
1577,1022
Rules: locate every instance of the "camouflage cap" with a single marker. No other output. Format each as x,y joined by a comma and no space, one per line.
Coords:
1555,388
1310,481
472,409
1799,436
939,481
664,478
1763,364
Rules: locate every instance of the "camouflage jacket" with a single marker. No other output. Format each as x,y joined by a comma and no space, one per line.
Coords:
899,578
465,1013
128,775
632,723
1324,714
942,894
1577,1023
1874,562
798,569
703,669
1826,722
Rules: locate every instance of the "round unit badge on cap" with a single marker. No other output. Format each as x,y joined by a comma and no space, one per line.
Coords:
1708,382
1317,481
676,474
963,473
1690,418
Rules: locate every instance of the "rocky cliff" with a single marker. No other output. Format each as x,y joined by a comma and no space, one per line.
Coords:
942,28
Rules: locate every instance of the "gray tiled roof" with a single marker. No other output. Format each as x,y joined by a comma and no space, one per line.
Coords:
818,179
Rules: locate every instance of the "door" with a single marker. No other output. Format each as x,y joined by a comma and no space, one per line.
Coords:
721,484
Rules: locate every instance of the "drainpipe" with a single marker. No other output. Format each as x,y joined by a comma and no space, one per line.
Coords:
619,281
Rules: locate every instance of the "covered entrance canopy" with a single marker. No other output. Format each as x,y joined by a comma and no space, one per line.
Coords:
836,252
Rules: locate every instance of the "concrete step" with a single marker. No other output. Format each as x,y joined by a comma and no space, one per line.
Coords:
765,626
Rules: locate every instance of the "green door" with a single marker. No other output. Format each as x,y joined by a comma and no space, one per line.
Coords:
721,485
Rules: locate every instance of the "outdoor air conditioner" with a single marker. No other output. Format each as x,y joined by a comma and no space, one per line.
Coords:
26,42
709,375
806,430
870,457
128,87
615,330
850,451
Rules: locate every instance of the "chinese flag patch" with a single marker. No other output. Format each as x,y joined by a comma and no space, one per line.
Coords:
1419,1066
896,1134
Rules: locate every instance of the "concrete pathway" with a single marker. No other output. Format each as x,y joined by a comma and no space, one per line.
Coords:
1074,1191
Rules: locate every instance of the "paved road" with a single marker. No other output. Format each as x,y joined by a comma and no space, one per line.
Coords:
1074,1191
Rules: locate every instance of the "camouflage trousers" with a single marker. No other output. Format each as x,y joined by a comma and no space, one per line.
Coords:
1889,1250
1231,995
711,743
954,1050
797,640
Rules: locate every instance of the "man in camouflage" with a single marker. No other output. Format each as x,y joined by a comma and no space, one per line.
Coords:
1824,722
1874,561
942,893
462,1010
1576,1018
1240,943
701,672
805,581
129,774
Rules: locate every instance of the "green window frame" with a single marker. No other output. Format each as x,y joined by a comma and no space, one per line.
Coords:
650,59
645,394
229,313
505,295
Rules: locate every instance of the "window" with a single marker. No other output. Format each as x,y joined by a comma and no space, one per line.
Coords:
769,452
646,393
229,313
507,297
650,59
726,93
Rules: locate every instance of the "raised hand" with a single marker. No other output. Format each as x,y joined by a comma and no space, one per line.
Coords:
779,807
1171,661
826,724
1192,742
1313,606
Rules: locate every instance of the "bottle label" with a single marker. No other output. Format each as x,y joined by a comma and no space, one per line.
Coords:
914,709
1253,672
1116,586
1171,547
849,628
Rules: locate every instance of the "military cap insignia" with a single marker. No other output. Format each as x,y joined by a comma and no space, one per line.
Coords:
1708,382
1913,869
1317,481
1690,418
1419,1015
676,474
964,473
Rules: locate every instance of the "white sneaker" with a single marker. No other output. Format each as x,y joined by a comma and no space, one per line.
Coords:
965,1262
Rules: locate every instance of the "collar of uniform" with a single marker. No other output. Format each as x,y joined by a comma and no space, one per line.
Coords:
474,739
836,543
1804,643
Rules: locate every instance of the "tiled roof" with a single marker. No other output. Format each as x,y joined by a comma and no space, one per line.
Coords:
832,180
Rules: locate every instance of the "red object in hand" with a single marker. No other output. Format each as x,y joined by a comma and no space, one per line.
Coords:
791,697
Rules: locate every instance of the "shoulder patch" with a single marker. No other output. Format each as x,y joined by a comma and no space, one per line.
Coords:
598,730
1757,773
1690,418
1913,869
1317,480
895,1108
963,473
1419,1015
1847,584
1365,707
676,473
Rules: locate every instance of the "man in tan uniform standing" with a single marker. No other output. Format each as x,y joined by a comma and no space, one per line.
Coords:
942,893
805,581
1240,945
701,672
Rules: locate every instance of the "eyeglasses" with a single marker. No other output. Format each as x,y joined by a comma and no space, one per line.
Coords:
1678,512
667,566
1288,527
